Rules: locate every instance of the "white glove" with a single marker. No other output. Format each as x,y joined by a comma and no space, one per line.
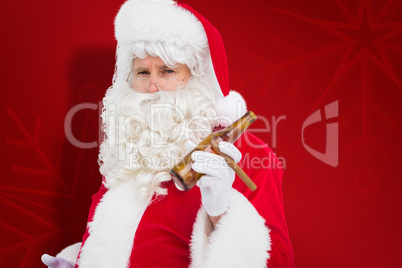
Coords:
216,184
55,262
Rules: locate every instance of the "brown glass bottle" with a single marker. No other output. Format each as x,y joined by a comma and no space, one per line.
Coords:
182,173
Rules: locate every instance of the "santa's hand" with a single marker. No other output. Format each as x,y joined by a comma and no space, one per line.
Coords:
55,262
216,184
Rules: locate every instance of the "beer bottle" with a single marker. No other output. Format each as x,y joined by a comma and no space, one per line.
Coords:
182,173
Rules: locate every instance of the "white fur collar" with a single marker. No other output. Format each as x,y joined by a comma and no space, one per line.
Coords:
113,227
240,239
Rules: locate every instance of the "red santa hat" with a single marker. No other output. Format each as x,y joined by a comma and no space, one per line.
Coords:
177,34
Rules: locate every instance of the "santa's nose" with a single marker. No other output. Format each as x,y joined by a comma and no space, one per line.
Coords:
153,86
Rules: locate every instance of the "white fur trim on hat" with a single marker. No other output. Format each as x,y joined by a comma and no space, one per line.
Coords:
159,21
240,238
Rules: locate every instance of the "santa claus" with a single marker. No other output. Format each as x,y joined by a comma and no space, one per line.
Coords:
170,90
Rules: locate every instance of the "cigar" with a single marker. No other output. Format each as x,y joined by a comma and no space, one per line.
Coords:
243,176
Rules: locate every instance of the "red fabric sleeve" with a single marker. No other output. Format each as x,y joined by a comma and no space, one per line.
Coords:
95,201
263,167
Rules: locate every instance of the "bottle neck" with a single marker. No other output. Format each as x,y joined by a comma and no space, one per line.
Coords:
235,130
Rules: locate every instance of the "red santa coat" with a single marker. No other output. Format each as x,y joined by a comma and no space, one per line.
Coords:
175,231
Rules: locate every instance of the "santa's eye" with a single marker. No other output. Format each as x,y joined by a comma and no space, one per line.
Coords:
143,73
168,72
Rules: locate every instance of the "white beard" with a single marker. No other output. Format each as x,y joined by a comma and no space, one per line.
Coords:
145,133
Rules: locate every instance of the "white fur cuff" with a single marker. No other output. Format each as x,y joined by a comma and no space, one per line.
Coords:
70,253
240,239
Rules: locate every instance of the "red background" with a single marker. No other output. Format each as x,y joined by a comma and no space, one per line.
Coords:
288,58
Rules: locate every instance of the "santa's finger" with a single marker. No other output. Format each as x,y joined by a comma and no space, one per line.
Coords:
209,159
207,181
230,150
49,260
212,169
201,156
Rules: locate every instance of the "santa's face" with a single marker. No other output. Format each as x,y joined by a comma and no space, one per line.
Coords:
151,75
146,133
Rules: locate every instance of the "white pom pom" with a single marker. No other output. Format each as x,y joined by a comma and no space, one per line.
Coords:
230,108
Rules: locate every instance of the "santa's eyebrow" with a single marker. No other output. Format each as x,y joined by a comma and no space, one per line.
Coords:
140,69
164,66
